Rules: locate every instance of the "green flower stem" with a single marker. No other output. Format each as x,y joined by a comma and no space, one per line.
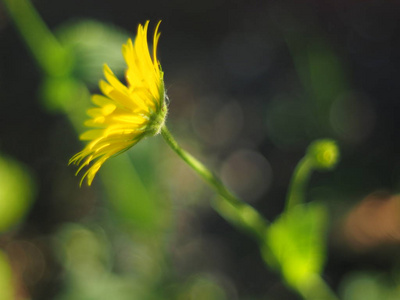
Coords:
245,217
300,178
50,55
316,289
235,211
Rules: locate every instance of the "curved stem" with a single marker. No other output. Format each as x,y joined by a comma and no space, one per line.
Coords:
298,183
246,217
230,207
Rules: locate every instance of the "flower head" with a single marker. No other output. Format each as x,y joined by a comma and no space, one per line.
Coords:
125,113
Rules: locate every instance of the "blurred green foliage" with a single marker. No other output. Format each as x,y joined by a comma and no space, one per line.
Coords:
322,74
369,286
85,255
121,249
6,279
132,200
91,44
202,286
17,192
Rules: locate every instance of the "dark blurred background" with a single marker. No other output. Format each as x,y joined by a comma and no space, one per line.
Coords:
251,84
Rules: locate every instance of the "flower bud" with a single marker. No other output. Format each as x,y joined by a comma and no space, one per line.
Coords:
324,154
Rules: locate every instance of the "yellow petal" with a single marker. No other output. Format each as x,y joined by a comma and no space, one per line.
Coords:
134,119
101,100
113,80
91,134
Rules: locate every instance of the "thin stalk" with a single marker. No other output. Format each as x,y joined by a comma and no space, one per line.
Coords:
297,187
230,207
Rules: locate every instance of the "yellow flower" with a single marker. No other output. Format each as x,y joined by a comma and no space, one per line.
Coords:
126,113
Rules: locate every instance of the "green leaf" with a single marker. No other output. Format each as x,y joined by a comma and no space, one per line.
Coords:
295,243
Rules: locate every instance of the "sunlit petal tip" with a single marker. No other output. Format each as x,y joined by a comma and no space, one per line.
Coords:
105,87
76,159
128,45
73,159
107,71
145,26
155,43
127,50
83,178
80,168
106,68
156,33
92,172
91,135
100,100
